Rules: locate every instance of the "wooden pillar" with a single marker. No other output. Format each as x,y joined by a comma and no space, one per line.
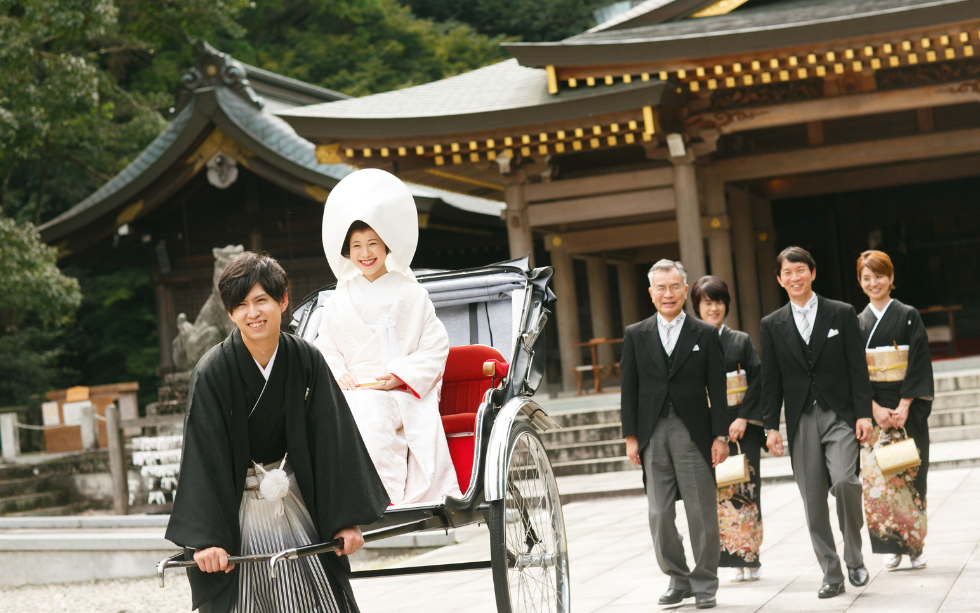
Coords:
629,297
566,310
599,307
518,225
688,217
747,293
166,321
720,241
765,253
117,461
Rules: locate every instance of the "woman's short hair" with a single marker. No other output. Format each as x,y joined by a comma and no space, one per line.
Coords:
712,288
357,226
877,262
245,270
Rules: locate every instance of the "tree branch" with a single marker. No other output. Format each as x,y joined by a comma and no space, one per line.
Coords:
130,97
91,169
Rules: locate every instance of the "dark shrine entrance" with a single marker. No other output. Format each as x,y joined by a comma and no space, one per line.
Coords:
930,230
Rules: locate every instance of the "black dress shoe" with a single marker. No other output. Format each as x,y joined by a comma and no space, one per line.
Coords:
704,601
675,596
830,590
858,576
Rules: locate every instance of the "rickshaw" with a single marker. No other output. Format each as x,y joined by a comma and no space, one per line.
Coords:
491,424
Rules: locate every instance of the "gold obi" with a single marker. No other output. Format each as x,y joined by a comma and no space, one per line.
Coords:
738,384
887,363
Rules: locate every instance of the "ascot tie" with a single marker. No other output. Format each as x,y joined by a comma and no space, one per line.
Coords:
804,326
669,341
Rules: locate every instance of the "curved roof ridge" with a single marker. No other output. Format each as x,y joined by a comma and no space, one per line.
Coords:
140,164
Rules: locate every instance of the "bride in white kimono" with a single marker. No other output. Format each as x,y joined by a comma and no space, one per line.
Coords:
381,338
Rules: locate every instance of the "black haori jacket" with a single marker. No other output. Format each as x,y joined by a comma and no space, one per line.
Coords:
838,373
336,477
698,367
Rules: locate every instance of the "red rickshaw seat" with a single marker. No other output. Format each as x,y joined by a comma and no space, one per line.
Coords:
463,387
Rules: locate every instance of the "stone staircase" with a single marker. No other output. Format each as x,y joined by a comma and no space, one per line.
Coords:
591,441
956,409
23,493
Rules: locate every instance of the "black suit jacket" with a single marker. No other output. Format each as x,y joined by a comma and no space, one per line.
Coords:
839,372
646,382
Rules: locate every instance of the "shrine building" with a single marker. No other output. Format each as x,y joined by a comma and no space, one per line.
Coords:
713,131
228,171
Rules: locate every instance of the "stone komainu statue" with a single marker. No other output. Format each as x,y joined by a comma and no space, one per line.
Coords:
212,324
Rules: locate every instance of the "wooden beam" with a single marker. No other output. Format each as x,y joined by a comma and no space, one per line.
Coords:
873,178
738,120
833,157
925,120
814,133
602,207
626,237
603,184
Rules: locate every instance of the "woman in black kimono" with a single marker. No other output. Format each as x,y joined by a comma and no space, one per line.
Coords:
895,507
739,509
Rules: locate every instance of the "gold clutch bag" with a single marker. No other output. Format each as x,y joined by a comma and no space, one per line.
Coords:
738,384
898,456
887,363
734,470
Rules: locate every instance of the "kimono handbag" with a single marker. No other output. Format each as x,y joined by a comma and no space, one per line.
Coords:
734,470
897,456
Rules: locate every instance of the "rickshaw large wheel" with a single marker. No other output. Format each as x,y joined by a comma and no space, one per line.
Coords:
528,549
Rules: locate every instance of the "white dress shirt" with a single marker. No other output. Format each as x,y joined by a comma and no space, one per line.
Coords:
807,312
670,330
268,367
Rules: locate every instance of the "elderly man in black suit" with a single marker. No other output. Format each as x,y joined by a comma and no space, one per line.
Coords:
669,362
813,361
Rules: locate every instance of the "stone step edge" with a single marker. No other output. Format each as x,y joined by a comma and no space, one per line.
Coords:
591,461
617,441
608,424
45,494
570,497
47,511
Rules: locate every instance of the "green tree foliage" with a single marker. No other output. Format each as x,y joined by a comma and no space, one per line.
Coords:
114,339
31,285
36,299
85,86
358,46
529,20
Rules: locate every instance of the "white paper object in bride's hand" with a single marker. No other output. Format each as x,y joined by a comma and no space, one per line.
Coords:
380,200
738,384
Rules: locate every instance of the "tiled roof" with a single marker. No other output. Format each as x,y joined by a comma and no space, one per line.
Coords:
131,172
652,11
785,24
497,96
284,149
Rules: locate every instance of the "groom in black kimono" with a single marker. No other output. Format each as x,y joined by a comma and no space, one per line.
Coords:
257,396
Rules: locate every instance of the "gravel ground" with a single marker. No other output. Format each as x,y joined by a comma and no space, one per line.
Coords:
123,595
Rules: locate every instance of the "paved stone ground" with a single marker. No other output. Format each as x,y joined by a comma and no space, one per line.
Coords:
613,568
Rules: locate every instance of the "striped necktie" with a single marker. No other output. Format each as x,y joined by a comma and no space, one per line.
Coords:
804,326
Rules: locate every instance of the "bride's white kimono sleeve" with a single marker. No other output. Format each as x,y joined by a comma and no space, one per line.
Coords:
402,429
422,363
